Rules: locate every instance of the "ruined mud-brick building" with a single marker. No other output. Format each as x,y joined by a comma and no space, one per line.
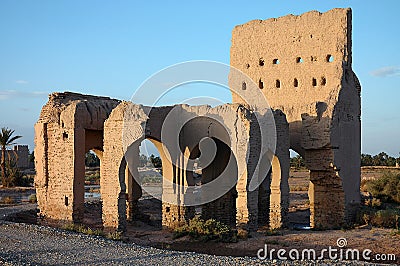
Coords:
72,124
19,154
302,64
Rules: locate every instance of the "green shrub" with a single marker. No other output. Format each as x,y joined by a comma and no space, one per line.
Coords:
272,232
117,236
90,231
211,229
32,198
79,228
68,227
385,218
93,177
386,188
15,177
389,218
374,202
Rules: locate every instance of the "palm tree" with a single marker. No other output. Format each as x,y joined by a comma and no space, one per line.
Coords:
6,139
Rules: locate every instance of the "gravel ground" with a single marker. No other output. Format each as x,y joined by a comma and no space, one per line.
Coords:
25,244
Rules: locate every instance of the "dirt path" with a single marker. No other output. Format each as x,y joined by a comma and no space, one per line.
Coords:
22,244
12,210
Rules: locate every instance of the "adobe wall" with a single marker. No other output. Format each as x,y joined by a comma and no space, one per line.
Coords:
69,125
72,124
20,153
230,127
302,64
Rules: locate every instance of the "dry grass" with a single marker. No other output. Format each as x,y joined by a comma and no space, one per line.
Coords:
7,200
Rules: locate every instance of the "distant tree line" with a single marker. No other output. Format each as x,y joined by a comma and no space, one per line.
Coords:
297,162
150,161
381,159
10,173
91,160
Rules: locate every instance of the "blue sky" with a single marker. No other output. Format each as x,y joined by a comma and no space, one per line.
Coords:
111,47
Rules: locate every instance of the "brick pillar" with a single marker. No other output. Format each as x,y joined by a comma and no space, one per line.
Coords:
174,191
326,200
133,189
78,201
327,203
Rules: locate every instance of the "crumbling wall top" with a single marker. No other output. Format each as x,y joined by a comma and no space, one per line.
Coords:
296,61
60,101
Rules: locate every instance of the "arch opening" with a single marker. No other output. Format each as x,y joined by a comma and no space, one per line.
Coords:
93,202
272,193
87,201
195,171
143,178
223,166
299,200
212,171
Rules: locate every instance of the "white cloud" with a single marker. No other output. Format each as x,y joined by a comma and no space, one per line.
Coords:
6,94
388,71
10,94
21,81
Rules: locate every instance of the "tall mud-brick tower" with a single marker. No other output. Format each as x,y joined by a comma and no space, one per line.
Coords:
303,66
